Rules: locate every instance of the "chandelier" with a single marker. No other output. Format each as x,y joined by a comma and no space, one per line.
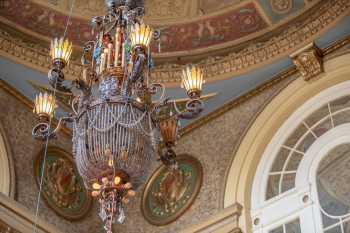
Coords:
120,120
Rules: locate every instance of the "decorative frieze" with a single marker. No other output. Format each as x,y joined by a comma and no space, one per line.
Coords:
296,34
308,61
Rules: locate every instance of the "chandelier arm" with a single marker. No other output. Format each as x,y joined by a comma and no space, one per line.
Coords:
56,78
43,132
194,107
74,102
63,120
153,89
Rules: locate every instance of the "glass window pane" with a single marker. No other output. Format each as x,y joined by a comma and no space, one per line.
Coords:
280,160
323,127
294,161
272,186
333,181
338,104
327,221
347,227
277,230
294,137
293,227
336,229
288,182
317,115
306,143
341,118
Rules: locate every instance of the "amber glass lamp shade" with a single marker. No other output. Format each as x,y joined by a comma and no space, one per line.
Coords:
141,35
168,129
44,105
192,81
61,50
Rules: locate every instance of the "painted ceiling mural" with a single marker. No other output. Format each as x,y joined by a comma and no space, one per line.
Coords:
184,24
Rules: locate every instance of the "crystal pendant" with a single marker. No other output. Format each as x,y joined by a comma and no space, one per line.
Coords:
121,214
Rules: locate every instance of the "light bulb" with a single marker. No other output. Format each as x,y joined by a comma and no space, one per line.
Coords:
105,180
95,193
128,185
110,162
141,35
96,186
131,193
125,200
117,180
61,50
192,81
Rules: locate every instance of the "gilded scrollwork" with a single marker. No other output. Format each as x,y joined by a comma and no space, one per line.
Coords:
308,61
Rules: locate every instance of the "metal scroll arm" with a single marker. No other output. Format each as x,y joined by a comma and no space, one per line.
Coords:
42,131
192,109
56,78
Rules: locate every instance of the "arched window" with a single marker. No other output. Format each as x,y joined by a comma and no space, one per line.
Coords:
6,169
333,190
303,181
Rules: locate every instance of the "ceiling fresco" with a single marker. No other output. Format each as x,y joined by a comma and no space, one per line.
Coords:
185,25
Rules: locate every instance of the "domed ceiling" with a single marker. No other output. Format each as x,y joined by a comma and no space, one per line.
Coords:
186,26
240,44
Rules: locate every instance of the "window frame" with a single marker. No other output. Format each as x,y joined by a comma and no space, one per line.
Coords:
272,212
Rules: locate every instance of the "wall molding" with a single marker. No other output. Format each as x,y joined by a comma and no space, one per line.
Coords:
17,219
226,221
247,155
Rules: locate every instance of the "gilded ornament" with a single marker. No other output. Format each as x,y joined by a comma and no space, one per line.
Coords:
171,191
63,188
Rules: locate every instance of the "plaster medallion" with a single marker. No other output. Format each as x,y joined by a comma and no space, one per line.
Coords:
62,187
169,193
281,6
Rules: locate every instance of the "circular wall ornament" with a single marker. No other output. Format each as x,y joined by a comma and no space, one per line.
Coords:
281,6
169,193
62,188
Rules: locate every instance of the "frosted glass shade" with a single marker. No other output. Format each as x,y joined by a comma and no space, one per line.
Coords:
44,105
192,81
141,35
61,50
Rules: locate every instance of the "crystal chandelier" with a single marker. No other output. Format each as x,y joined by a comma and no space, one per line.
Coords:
118,124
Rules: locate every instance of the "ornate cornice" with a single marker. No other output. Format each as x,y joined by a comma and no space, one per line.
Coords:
258,53
230,105
263,51
326,54
308,61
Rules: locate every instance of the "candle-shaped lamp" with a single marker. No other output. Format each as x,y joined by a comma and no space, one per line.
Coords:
192,81
44,106
61,51
141,36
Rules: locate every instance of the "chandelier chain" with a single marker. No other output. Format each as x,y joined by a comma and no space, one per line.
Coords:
35,227
43,167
